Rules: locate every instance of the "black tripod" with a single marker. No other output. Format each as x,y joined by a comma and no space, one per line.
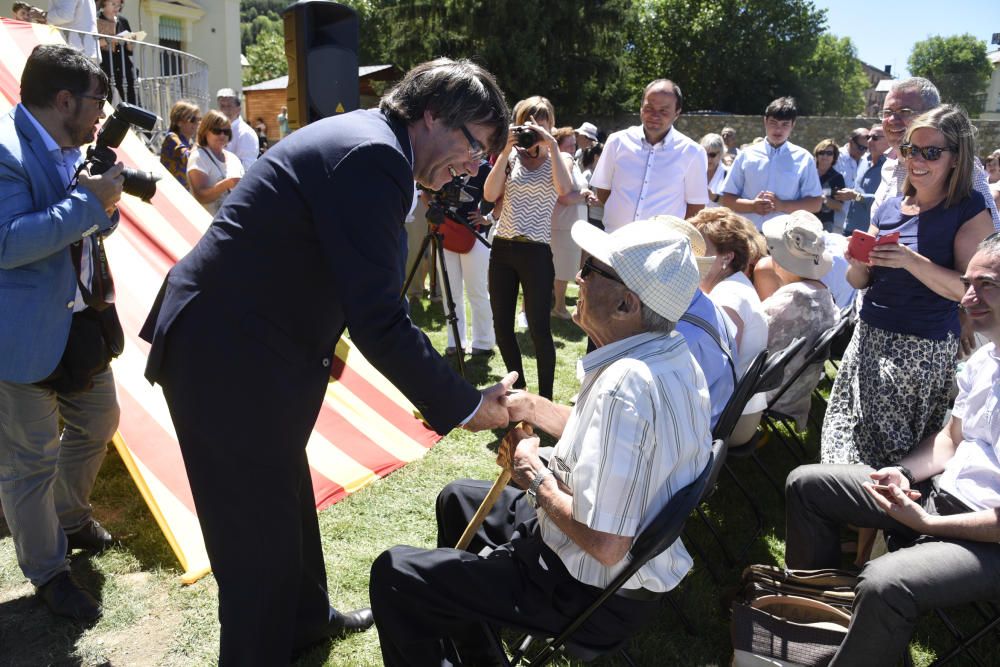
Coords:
435,239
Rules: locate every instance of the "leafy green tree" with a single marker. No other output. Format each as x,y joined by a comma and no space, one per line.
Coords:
267,58
573,53
727,55
958,67
831,81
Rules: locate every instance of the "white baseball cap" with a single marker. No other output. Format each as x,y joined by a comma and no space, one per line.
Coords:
588,130
227,92
652,259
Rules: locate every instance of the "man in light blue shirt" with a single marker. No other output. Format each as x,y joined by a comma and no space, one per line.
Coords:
773,176
867,182
848,164
711,337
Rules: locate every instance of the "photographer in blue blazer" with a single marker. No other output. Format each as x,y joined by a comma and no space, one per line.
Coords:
56,323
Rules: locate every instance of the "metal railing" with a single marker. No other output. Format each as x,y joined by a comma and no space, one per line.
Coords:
151,76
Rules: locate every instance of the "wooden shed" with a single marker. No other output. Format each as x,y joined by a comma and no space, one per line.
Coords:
265,99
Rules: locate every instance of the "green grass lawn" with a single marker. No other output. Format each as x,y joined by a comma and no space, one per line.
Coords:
151,619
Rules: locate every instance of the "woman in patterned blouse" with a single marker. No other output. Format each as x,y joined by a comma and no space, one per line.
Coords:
184,119
530,177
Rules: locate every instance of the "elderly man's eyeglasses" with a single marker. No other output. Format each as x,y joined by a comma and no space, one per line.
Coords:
903,114
476,150
589,267
929,153
875,137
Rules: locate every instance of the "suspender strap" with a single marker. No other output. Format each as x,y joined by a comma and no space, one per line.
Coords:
705,326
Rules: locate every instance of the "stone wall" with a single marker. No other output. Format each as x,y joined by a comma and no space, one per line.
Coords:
809,130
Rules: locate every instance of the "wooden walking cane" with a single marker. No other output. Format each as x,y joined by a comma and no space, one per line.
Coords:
503,454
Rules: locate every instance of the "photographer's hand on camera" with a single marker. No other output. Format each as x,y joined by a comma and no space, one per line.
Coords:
107,187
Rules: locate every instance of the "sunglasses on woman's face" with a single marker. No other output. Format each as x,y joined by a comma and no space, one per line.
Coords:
713,155
929,153
827,153
222,130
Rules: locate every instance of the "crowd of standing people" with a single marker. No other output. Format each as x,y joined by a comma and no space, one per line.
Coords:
691,257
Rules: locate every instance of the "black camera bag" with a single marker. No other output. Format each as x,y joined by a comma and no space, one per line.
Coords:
95,338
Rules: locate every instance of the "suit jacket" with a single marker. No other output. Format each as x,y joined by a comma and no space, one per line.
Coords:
306,245
38,222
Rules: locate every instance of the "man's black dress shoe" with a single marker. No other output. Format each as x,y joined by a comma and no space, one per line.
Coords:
92,537
344,623
64,597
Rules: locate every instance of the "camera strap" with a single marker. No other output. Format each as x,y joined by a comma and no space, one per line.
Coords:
102,283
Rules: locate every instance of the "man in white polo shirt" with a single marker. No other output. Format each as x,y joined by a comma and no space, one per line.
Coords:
245,144
651,169
942,501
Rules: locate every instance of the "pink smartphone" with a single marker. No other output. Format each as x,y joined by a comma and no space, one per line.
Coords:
861,243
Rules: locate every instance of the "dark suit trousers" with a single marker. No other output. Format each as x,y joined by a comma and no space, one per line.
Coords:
894,589
420,597
242,424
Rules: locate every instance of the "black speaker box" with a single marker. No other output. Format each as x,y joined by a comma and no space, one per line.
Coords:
321,45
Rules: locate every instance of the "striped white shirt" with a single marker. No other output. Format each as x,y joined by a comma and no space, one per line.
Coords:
529,197
638,434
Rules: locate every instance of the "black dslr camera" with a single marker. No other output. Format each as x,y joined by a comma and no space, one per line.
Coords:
100,157
525,137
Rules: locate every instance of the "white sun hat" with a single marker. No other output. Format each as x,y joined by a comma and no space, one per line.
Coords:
652,259
795,242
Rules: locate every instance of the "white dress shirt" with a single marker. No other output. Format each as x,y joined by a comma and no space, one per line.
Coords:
973,474
244,144
77,15
646,179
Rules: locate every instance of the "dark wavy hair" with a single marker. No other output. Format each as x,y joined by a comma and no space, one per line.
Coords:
53,67
456,91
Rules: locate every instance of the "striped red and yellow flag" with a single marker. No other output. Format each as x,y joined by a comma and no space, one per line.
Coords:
366,428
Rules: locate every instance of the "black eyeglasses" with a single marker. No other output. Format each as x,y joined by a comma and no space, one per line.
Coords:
902,114
713,155
98,98
818,153
929,153
476,150
861,143
222,130
875,137
589,266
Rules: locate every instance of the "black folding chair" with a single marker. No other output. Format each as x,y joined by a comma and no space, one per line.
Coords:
730,416
819,349
770,379
662,532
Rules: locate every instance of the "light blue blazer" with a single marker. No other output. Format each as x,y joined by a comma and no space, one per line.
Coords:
38,222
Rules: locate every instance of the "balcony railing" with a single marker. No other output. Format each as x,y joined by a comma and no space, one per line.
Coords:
151,76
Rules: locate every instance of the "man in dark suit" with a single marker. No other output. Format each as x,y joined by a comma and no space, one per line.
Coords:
244,329
56,418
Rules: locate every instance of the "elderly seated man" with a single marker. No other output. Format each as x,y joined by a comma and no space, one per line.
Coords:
951,524
638,433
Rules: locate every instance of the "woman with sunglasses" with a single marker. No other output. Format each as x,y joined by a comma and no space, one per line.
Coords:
714,147
212,170
894,384
831,180
176,149
530,177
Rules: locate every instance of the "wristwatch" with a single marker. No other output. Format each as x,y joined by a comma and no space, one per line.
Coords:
907,473
858,196
531,493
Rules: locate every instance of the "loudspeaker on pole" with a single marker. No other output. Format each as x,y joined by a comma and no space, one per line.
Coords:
321,45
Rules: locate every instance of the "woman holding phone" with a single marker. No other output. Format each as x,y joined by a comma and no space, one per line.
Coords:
530,174
894,384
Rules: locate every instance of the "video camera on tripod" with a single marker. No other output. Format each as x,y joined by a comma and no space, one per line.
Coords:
447,202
